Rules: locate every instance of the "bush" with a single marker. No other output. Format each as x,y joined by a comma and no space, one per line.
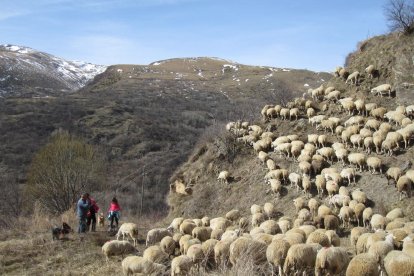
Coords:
61,171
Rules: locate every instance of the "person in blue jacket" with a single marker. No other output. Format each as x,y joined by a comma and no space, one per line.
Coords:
82,209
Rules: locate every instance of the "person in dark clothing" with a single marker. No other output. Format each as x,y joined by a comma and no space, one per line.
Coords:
82,208
91,215
114,212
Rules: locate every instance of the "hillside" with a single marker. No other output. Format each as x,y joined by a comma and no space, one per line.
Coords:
120,111
211,198
145,118
25,71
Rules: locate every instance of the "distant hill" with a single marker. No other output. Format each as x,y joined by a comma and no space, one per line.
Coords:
25,71
147,118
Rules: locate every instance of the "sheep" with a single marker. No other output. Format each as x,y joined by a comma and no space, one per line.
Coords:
370,70
222,252
305,167
181,265
410,175
368,144
208,250
294,112
337,70
349,174
269,209
339,200
276,254
394,214
357,159
346,214
353,78
408,246
327,153
323,211
378,222
254,209
257,219
219,223
136,264
202,233
295,179
310,112
333,95
196,254
399,263
331,260
244,247
363,264
359,196
276,187
128,229
355,120
299,203
175,224
320,183
316,120
406,134
168,245
359,210
223,177
356,140
373,124
348,106
331,222
185,228
115,247
374,163
284,113
155,254
356,232
313,205
382,89
322,140
284,148
300,257
381,248
404,185
187,244
332,188
233,215
271,165
263,156
313,138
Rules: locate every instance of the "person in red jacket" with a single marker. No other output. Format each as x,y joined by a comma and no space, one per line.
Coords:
114,212
91,215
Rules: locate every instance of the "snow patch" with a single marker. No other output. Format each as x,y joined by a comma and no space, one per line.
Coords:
306,85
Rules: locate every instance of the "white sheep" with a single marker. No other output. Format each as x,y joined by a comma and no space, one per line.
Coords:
295,180
155,254
359,196
363,264
276,254
115,247
378,222
128,229
381,248
136,264
404,185
181,265
353,78
300,257
244,247
223,177
157,234
294,112
382,89
349,174
399,263
375,164
320,183
357,159
370,70
331,260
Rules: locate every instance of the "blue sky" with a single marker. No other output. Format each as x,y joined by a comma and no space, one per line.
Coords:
309,34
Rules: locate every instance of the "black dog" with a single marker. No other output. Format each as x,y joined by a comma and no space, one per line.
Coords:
59,232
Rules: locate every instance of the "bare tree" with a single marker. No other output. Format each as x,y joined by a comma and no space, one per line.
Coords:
61,171
400,15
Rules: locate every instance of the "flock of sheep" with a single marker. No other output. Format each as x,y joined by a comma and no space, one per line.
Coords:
310,241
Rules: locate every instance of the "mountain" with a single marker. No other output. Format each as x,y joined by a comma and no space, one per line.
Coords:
25,71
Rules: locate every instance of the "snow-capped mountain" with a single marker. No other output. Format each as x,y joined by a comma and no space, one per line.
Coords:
23,70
